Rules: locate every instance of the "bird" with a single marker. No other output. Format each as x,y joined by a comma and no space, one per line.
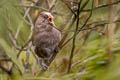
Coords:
46,38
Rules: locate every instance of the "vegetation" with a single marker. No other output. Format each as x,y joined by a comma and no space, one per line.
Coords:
90,45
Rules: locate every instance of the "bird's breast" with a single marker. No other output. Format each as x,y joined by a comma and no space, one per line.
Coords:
50,37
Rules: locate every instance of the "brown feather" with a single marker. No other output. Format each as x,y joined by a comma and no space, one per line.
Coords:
46,37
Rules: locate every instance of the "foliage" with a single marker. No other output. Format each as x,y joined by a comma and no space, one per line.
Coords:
96,54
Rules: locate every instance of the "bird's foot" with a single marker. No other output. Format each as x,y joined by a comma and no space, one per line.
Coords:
26,65
43,65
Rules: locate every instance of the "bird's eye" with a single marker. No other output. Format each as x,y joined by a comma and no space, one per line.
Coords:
45,17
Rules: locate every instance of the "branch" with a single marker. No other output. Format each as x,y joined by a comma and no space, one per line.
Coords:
101,6
52,5
80,28
96,24
48,3
69,7
33,6
5,59
69,27
5,70
100,24
29,38
74,39
73,21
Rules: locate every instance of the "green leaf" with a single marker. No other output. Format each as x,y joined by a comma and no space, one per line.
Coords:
11,54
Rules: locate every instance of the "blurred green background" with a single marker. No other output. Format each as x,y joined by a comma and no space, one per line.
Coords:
97,47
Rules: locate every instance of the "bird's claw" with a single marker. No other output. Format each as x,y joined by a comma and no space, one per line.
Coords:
44,67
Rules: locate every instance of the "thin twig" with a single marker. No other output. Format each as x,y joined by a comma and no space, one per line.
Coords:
13,40
19,54
5,59
101,6
52,5
86,10
33,6
71,24
74,38
5,70
29,39
95,24
48,3
84,5
27,11
69,7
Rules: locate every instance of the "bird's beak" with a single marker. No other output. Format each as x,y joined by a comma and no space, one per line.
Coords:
51,22
51,17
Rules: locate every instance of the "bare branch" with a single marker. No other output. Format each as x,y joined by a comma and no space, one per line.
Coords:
33,6
83,24
69,7
101,6
27,11
48,3
74,38
52,5
5,70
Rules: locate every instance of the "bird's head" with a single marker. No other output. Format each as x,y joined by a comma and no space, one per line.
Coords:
47,17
